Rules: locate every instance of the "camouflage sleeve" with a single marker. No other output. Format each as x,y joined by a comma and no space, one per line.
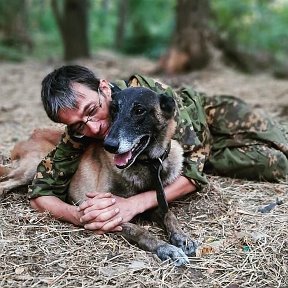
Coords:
194,135
192,129
153,84
55,171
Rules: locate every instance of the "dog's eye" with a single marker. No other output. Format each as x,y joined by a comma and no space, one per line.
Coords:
139,110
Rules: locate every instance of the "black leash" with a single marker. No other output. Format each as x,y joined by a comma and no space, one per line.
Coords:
161,197
157,164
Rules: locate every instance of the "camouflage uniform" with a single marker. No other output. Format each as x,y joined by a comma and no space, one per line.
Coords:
219,135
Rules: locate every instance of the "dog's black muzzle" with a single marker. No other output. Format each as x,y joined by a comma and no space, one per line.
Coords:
111,145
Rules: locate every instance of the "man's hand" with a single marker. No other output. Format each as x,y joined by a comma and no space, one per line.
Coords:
104,212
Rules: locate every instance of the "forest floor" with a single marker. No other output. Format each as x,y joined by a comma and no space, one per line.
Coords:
240,247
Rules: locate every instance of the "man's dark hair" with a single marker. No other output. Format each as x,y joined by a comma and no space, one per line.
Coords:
57,92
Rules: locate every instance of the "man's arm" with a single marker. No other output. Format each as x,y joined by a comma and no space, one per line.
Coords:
59,209
69,213
176,190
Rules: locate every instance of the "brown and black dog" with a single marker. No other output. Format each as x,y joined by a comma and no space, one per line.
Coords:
142,127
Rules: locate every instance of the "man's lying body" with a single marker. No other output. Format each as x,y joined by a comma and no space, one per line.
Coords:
219,135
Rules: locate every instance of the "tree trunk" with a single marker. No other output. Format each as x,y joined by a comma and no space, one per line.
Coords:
189,49
73,25
122,17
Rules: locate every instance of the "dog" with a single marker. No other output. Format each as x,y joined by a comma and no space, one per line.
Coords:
142,127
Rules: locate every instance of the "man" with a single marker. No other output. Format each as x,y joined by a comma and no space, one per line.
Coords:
219,134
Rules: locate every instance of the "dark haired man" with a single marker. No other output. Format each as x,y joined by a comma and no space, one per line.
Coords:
219,134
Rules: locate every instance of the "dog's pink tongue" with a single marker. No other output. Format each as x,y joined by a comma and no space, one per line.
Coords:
122,159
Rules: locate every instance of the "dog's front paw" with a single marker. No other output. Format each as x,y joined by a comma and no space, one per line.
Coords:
181,241
167,251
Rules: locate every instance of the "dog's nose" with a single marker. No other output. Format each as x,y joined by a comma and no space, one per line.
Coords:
111,145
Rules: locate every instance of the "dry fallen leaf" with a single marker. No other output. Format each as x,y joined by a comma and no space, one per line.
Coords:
210,248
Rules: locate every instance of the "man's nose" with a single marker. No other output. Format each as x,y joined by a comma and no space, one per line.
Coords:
93,127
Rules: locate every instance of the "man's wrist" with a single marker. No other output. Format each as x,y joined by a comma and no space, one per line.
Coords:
144,201
76,216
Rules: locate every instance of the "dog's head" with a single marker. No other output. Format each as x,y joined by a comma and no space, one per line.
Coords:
142,125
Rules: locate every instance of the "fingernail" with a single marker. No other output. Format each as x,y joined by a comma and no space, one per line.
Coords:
120,218
113,200
119,229
117,210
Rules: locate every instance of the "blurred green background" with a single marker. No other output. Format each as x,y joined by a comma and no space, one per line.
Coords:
29,28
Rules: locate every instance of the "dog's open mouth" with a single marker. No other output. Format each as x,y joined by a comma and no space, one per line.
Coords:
126,159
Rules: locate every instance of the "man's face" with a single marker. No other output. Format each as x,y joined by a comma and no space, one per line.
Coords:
91,116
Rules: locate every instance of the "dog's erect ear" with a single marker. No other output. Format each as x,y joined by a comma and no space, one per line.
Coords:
167,105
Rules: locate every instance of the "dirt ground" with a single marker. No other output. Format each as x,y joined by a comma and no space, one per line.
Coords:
240,247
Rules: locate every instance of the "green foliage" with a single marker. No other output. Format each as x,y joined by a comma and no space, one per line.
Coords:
254,25
102,23
44,30
7,9
150,26
10,54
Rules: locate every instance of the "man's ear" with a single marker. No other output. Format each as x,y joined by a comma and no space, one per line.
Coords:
167,105
105,88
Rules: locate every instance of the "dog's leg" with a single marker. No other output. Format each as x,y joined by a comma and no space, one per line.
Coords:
176,235
148,242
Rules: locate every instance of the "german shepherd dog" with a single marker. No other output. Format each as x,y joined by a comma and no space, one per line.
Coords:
142,127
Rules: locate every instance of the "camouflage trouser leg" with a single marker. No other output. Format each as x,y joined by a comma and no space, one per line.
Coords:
246,143
257,162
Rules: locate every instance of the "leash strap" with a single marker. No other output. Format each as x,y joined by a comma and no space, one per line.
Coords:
161,198
157,164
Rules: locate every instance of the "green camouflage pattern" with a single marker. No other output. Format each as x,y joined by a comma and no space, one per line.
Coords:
55,171
219,134
246,143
